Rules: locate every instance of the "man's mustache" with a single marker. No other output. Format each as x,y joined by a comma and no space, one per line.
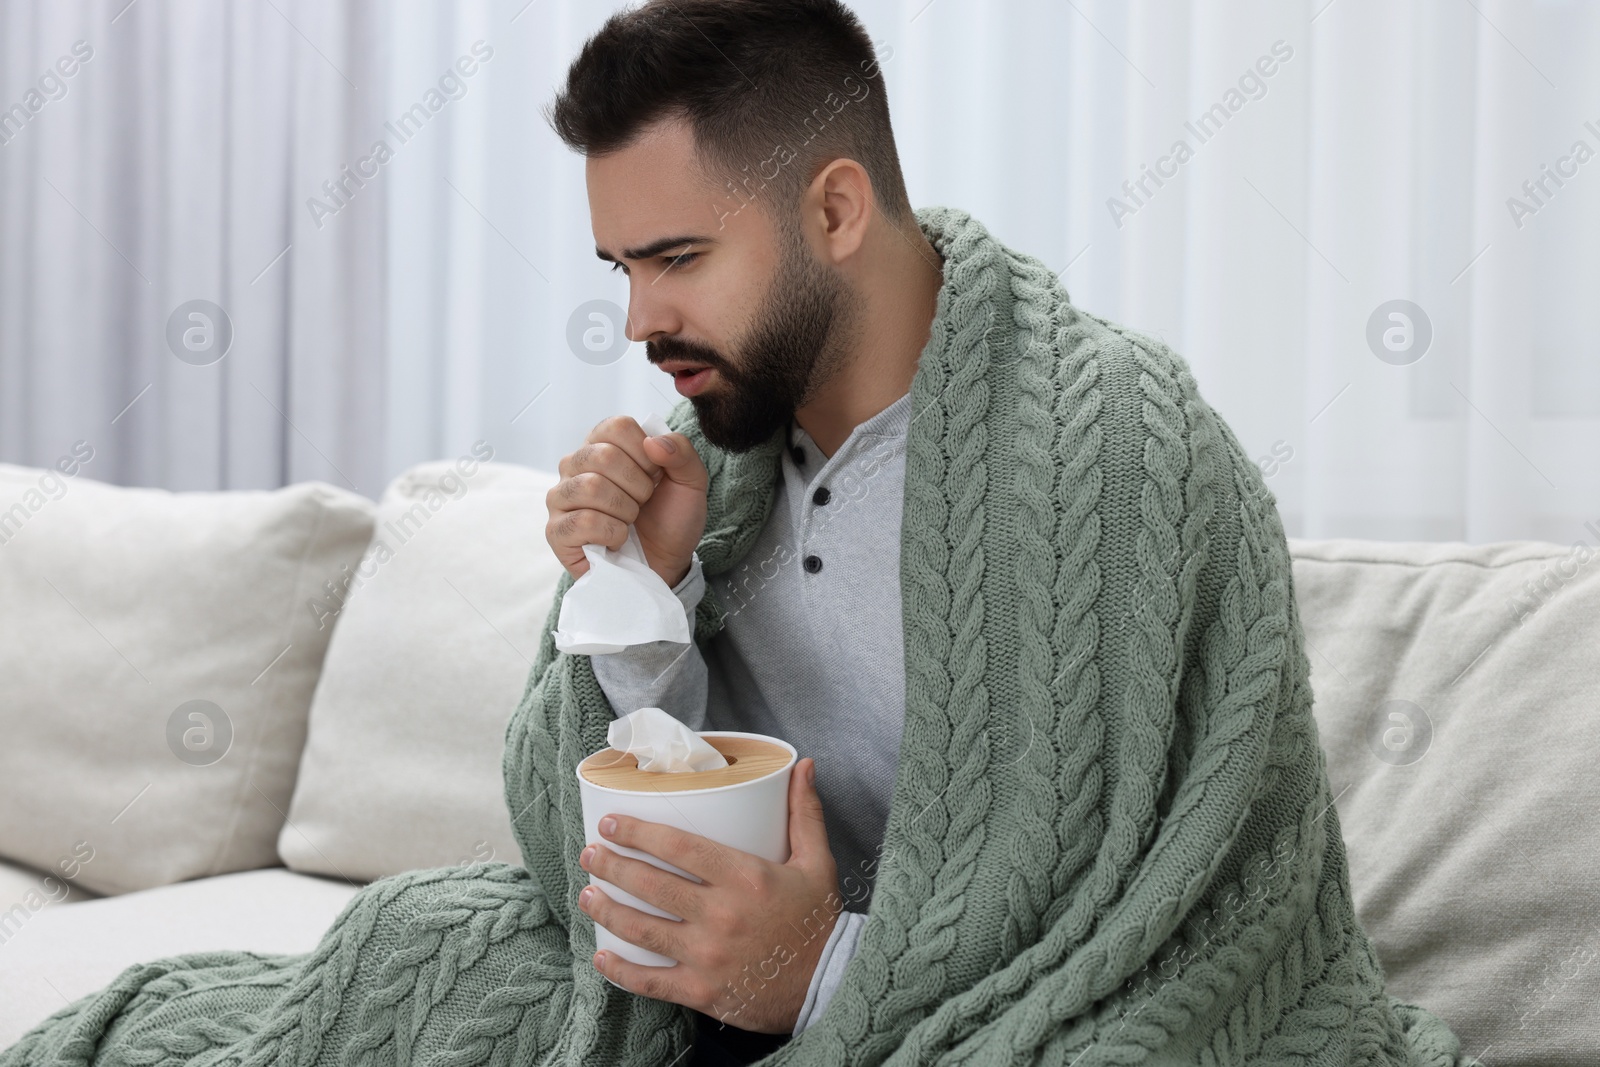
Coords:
662,351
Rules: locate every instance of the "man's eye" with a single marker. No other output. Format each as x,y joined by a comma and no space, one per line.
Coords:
619,266
682,260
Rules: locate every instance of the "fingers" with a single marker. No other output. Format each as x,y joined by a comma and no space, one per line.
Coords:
659,983
636,927
615,464
808,833
606,485
676,457
590,490
603,485
627,436
568,531
662,889
702,857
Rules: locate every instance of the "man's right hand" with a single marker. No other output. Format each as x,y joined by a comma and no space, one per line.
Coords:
620,476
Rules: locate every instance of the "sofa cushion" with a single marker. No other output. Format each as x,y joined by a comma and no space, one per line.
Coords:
67,951
25,891
159,657
429,658
1457,692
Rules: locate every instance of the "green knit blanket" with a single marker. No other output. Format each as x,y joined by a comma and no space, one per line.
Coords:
1111,838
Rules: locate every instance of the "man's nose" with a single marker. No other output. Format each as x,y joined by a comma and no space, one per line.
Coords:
648,315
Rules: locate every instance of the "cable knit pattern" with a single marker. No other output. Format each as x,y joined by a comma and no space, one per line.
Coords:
1111,837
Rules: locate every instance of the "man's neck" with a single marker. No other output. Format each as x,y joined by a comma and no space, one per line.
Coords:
899,285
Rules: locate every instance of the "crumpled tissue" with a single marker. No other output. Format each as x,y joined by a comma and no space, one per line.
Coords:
661,743
619,601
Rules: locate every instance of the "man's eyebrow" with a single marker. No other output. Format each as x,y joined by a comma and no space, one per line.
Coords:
654,248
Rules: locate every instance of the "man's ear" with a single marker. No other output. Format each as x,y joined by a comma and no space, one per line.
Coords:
843,199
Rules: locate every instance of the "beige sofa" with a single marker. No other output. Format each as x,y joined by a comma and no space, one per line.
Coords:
223,713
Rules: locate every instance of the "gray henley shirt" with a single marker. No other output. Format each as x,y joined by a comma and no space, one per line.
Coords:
810,651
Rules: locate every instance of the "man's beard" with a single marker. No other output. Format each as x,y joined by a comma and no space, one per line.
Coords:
795,345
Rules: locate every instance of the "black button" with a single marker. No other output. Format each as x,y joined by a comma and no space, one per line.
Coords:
813,564
799,456
821,496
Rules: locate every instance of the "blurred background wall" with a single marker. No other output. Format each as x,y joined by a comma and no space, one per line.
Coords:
1378,249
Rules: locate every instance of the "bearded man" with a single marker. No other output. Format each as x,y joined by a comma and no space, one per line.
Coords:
990,562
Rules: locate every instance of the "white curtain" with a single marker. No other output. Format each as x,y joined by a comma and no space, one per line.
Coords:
169,164
1340,157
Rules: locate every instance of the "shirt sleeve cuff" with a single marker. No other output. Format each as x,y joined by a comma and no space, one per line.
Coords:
836,954
693,587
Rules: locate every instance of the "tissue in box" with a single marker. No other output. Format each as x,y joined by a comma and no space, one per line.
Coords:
661,743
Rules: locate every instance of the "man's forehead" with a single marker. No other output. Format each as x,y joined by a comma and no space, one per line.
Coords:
650,197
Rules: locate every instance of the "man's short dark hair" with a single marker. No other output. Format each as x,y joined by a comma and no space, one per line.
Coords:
774,90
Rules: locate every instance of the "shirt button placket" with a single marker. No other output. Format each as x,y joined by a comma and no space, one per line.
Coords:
813,563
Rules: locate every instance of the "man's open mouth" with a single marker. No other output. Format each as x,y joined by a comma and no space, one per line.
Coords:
688,377
691,380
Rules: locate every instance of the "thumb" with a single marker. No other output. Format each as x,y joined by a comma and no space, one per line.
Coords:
808,833
675,455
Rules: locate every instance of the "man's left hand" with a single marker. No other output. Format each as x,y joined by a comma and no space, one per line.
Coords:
752,930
